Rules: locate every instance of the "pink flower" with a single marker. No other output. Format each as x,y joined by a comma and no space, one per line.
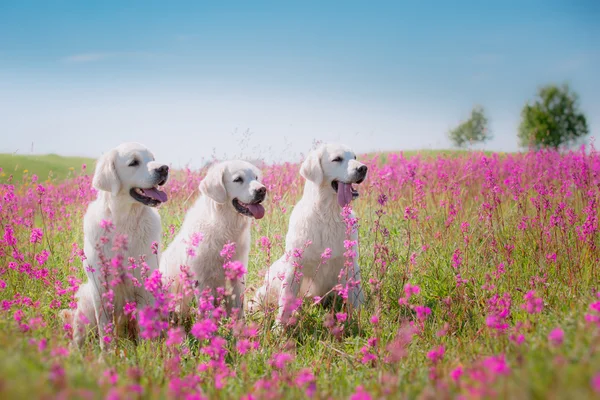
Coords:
175,336
457,259
533,304
234,270
36,235
456,373
326,255
556,337
228,251
437,354
360,394
107,225
196,238
130,308
305,378
341,317
409,290
244,345
595,382
280,360
496,365
204,329
422,312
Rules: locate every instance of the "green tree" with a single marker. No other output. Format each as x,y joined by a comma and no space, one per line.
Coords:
473,130
553,120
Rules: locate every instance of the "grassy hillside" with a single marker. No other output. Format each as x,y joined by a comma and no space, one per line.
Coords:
425,154
44,166
53,166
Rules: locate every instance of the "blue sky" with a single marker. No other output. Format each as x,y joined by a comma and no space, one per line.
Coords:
266,79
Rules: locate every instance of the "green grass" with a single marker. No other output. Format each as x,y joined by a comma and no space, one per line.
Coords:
46,166
538,370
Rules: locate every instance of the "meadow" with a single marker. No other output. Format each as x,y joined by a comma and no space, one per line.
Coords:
481,274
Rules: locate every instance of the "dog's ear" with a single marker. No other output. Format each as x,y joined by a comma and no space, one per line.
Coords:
311,168
105,176
212,185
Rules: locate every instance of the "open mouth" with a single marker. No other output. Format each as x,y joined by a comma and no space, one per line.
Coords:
345,192
150,197
255,210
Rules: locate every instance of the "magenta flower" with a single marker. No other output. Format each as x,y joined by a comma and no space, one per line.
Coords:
175,336
437,354
234,270
496,365
228,251
595,383
533,304
410,290
204,329
360,394
456,373
326,254
280,360
36,235
306,379
422,312
556,337
341,317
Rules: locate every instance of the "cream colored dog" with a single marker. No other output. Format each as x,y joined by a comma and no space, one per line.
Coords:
230,196
330,172
128,181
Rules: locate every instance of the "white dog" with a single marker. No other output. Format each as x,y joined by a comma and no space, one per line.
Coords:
230,196
330,170
128,181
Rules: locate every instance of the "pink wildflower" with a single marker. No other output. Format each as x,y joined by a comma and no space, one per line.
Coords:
556,337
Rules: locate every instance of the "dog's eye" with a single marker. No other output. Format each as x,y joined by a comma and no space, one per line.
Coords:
355,157
134,163
239,179
337,159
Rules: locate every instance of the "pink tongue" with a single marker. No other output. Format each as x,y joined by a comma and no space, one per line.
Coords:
257,210
155,194
344,194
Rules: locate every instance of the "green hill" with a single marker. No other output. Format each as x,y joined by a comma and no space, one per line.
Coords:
44,166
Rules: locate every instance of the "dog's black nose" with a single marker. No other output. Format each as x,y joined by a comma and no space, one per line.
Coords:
260,194
163,170
362,170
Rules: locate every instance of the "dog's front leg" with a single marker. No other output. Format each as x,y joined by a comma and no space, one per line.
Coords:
355,292
288,294
104,317
236,300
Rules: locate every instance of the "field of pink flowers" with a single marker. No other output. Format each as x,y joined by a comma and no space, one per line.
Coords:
481,272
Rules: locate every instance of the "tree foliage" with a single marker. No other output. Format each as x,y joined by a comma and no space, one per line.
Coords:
553,120
474,130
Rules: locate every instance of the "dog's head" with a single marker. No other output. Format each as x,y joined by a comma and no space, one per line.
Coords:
130,169
335,166
236,183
